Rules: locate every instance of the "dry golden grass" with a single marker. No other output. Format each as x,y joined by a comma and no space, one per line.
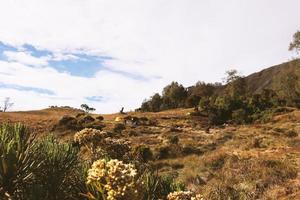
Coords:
208,162
40,121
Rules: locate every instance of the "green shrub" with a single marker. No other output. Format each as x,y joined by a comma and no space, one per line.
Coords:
116,148
16,161
158,187
55,175
266,117
118,128
163,152
67,123
239,116
218,116
143,153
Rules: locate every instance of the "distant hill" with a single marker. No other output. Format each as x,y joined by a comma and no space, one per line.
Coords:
176,95
269,78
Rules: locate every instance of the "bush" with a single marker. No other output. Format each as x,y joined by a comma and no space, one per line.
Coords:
67,123
239,116
42,169
218,116
163,152
116,148
158,187
292,133
16,161
118,128
168,151
100,118
86,119
54,177
264,116
143,153
95,126
90,136
112,180
101,145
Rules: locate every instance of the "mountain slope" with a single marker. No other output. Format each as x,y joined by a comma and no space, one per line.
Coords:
269,78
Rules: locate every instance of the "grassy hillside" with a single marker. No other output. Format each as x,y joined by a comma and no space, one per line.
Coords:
39,121
237,161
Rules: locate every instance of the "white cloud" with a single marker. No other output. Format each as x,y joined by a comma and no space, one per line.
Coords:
25,58
116,89
178,40
60,57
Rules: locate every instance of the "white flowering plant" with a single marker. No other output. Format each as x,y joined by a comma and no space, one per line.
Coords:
89,135
184,195
113,180
102,145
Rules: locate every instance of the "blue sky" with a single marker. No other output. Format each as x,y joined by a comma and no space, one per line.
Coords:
81,65
112,56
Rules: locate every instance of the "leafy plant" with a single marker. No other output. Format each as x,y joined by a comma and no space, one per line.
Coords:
158,187
16,162
57,172
112,179
118,128
143,153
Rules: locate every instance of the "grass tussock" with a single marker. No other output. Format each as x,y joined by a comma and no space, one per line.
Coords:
240,178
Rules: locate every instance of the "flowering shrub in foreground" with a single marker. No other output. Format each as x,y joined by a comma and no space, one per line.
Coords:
113,179
184,195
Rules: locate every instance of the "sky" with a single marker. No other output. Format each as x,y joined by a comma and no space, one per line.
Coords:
115,53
